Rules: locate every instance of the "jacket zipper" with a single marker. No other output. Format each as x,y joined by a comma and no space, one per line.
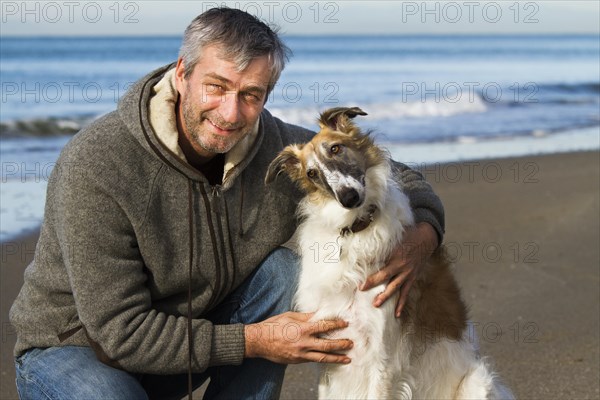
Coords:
213,239
218,206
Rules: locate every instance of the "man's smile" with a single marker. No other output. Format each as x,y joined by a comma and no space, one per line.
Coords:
222,130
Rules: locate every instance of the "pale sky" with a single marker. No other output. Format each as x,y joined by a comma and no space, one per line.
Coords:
305,17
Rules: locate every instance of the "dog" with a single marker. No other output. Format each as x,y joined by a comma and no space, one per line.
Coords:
353,217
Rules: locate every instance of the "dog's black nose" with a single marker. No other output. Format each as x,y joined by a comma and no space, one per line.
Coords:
350,198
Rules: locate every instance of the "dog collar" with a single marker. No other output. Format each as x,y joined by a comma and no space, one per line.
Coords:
361,223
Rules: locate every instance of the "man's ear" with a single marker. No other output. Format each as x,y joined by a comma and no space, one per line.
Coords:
285,161
339,118
180,76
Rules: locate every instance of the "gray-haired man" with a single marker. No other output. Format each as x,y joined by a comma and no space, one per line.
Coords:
159,261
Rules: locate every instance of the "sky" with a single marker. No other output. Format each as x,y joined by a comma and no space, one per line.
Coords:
65,18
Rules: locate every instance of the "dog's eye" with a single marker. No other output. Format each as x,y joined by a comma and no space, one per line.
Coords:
312,174
335,149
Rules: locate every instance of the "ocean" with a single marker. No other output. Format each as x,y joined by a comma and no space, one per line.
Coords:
429,98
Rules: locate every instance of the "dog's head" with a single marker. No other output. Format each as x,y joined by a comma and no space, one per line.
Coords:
334,163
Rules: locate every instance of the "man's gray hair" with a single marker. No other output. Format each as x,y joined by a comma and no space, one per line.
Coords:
242,37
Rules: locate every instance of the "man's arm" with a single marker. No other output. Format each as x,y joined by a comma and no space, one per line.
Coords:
426,205
418,243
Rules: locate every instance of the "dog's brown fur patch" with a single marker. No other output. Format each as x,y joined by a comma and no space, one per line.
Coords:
435,308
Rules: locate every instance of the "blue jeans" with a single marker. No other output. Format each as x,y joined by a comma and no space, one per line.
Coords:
72,372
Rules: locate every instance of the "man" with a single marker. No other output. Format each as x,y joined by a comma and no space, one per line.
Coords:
160,252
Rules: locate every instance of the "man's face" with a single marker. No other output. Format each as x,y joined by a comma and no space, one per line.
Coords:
219,104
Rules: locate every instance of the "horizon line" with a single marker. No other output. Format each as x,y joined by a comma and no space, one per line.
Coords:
339,34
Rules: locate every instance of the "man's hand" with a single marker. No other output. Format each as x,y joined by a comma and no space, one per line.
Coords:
290,338
402,268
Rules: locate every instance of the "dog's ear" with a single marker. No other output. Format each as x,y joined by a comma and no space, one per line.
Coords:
338,118
285,161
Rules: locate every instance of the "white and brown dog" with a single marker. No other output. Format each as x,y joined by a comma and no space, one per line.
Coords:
353,217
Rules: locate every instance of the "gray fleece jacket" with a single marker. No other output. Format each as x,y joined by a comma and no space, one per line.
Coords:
128,222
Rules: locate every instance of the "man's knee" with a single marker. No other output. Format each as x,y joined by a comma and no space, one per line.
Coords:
281,268
282,262
270,289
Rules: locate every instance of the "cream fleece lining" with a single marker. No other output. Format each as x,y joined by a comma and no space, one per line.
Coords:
164,123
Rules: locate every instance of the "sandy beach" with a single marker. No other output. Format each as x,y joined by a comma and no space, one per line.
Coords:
524,235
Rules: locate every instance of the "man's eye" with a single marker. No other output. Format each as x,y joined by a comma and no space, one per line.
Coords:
214,88
251,97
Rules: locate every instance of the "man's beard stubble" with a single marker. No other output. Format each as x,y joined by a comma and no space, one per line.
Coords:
194,120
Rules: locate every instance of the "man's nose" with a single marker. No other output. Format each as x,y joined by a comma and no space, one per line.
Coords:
229,108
